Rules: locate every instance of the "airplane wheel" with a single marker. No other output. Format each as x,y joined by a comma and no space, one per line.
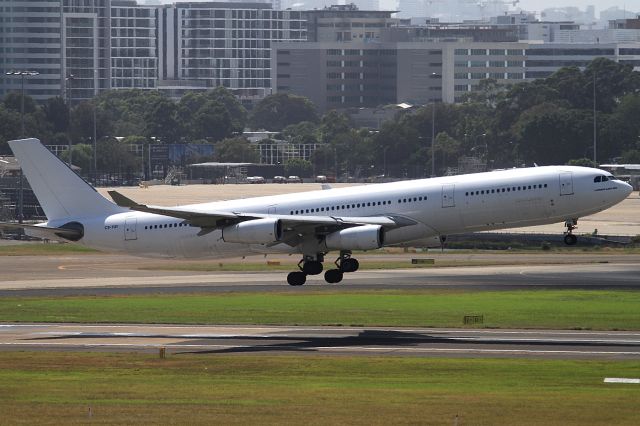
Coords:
312,267
333,276
570,239
349,265
296,278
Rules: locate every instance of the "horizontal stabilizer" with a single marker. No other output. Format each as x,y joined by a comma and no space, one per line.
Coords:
46,232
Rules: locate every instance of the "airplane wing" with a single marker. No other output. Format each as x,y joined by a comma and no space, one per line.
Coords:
40,231
300,224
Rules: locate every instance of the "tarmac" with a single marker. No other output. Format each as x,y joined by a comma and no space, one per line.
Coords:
122,275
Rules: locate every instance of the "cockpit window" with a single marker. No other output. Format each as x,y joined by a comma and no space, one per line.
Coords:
597,179
604,178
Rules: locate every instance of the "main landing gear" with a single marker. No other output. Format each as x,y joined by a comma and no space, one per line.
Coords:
311,266
569,238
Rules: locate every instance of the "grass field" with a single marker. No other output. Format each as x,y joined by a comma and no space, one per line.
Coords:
59,388
562,309
38,249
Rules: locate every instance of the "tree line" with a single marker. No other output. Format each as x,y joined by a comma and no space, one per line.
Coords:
547,121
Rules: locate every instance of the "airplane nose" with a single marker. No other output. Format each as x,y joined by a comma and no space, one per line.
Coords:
628,189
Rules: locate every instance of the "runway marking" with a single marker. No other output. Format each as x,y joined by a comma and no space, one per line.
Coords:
330,348
620,380
61,268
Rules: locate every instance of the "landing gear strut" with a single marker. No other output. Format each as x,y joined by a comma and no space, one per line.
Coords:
309,265
569,238
344,263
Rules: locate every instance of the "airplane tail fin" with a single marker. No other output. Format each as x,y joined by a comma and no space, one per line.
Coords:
61,192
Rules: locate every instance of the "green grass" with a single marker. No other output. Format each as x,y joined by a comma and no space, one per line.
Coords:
59,388
41,249
565,309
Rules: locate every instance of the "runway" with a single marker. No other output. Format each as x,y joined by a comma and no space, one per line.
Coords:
180,340
111,275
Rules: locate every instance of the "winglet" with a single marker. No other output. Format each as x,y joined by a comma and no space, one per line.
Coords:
121,200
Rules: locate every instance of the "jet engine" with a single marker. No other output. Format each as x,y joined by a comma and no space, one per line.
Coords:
366,237
257,231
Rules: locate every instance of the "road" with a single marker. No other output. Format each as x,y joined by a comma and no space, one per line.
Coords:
179,339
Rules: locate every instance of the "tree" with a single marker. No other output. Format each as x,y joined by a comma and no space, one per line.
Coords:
552,134
114,156
334,124
235,150
303,132
583,162
56,112
9,128
323,159
298,167
13,100
212,121
221,105
236,111
161,121
82,122
275,112
82,156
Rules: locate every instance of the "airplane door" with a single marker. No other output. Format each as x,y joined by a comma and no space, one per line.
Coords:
566,183
130,229
448,199
272,210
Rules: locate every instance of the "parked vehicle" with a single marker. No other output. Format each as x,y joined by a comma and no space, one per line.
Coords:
255,179
279,179
294,179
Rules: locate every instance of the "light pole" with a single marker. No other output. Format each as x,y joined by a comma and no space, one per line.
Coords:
594,120
433,132
22,75
68,80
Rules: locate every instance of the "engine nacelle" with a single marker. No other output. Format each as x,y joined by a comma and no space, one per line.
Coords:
257,231
366,237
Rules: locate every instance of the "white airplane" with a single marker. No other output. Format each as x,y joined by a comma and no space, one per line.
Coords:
312,223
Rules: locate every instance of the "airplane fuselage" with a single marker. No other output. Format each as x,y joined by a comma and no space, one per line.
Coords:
431,207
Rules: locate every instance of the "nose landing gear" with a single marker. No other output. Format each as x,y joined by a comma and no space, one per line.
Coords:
569,238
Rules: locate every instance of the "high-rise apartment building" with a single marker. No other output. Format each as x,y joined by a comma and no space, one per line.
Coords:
30,39
134,45
204,45
82,47
85,48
